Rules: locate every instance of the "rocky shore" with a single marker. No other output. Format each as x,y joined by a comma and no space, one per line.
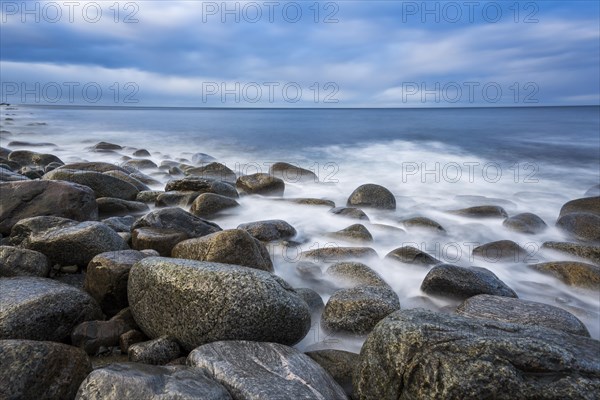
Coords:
127,281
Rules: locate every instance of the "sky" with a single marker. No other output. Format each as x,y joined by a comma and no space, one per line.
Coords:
300,53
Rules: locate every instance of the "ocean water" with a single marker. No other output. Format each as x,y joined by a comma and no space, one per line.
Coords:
433,160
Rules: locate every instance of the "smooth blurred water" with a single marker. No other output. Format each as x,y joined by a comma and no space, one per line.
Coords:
435,160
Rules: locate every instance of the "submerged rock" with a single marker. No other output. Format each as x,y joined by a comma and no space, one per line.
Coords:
572,273
333,254
487,211
423,223
350,212
260,183
525,223
501,250
356,233
269,230
411,255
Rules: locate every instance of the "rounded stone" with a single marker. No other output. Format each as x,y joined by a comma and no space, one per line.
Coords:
372,196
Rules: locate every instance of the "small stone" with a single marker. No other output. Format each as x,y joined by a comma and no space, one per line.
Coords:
156,352
488,211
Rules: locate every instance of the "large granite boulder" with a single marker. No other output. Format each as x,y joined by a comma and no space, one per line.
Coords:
260,183
177,219
200,302
15,261
372,196
589,205
208,205
103,185
292,173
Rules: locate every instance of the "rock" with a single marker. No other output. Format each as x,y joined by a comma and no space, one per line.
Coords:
333,254
141,153
251,370
200,302
92,335
260,183
26,199
269,230
120,224
179,220
231,246
572,273
461,282
42,309
501,250
113,206
522,312
202,185
106,278
27,158
140,164
130,338
28,226
372,196
308,270
594,191
208,205
132,178
105,146
15,261
150,382
356,233
482,212
103,185
148,196
6,175
163,240
32,173
350,212
202,158
351,274
589,252
291,173
312,298
312,202
74,243
590,205
175,198
418,354
156,352
525,223
97,166
581,226
423,223
412,255
213,170
339,364
41,370
357,310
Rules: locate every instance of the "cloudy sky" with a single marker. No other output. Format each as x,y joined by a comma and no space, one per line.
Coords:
301,54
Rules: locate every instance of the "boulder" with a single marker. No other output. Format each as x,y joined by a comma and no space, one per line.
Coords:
141,164
156,352
260,183
106,278
418,354
177,219
28,158
141,153
110,206
353,233
148,196
312,202
339,364
590,205
517,311
103,185
42,309
412,255
291,173
463,282
15,261
501,251
175,198
96,166
589,252
201,302
105,146
91,336
350,212
120,224
26,199
130,338
162,240
312,298
41,370
488,211
372,196
202,185
525,223
351,274
150,382
208,205
214,170
572,273
231,246
423,223
333,254
581,226
252,370
137,179
269,230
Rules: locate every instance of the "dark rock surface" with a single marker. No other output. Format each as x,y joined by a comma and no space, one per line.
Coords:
372,196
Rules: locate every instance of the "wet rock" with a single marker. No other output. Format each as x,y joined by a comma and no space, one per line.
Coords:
72,243
231,246
522,312
120,224
91,336
589,252
202,185
26,199
312,298
96,166
412,255
350,212
141,153
525,223
130,338
200,302
356,233
156,352
351,274
424,355
7,175
213,170
581,226
15,261
106,279
590,205
179,220
41,370
42,309
208,205
423,223
463,282
572,273
31,158
372,196
114,207
501,250
163,240
260,183
175,198
308,270
312,202
105,146
252,370
291,173
103,185
333,254
487,211
32,173
150,382
148,196
269,230
141,164
339,364
131,178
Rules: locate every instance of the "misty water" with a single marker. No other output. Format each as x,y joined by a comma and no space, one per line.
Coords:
435,160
